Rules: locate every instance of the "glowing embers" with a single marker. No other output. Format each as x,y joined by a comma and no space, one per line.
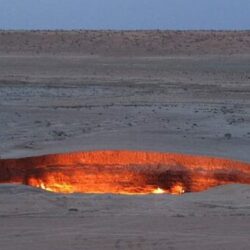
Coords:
123,172
176,189
128,179
158,191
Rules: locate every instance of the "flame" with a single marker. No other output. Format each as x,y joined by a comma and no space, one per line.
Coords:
178,189
51,186
124,172
159,191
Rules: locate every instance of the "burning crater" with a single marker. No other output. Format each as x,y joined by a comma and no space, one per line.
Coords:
123,172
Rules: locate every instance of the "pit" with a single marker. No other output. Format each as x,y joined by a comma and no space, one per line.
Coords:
124,172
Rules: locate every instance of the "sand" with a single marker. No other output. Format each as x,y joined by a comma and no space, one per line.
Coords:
191,99
32,219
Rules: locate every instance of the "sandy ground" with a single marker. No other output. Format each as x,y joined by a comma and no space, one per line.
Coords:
216,219
52,104
196,103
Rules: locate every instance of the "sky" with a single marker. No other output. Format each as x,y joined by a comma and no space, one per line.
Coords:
125,14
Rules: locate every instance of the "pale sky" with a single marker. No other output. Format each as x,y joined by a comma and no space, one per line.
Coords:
125,14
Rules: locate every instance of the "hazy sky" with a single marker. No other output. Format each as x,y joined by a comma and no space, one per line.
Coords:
124,14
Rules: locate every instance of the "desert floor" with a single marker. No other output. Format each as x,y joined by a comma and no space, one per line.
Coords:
63,102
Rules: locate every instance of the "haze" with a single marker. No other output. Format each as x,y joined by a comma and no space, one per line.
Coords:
125,14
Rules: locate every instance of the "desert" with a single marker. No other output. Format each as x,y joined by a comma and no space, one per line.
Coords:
176,92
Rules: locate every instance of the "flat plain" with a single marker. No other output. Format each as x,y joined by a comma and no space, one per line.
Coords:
186,92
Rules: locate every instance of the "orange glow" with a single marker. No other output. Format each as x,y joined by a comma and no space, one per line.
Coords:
178,188
124,172
159,191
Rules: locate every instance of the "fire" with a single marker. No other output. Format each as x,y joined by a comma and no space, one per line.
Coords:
178,189
51,186
159,191
123,172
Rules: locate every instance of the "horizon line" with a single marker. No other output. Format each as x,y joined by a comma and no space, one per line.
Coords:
125,30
